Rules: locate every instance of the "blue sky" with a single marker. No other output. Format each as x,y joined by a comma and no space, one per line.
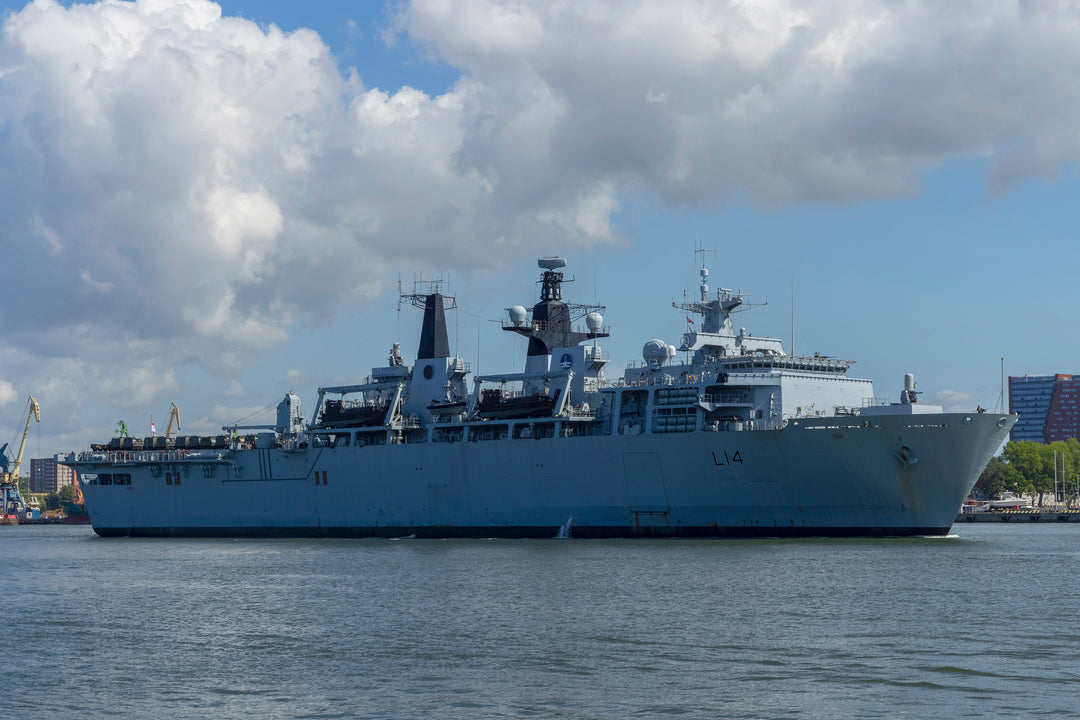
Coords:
196,208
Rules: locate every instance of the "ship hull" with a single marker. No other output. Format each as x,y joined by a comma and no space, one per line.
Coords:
520,533
835,477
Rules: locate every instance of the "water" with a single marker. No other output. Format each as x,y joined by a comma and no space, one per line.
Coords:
983,624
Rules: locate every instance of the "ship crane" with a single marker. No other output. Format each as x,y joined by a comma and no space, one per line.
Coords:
9,481
174,415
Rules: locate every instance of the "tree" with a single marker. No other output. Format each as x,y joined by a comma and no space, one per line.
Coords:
1067,461
52,501
999,477
1035,463
67,493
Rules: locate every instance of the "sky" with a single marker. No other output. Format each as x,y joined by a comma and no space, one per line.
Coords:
213,204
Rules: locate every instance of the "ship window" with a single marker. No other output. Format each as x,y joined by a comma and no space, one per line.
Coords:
122,479
105,479
176,479
487,432
168,478
371,438
447,435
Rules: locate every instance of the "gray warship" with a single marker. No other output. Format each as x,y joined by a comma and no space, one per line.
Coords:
726,435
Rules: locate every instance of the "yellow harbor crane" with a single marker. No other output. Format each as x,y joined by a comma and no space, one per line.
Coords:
174,414
12,501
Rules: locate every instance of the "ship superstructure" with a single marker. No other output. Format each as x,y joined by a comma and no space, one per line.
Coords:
738,438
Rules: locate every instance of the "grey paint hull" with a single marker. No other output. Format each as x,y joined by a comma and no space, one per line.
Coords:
901,475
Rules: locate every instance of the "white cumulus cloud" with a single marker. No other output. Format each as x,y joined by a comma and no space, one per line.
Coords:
708,101
7,392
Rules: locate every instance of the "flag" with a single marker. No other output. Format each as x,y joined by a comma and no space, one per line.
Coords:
153,430
689,321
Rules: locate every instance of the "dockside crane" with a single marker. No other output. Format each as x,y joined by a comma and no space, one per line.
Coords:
10,497
174,414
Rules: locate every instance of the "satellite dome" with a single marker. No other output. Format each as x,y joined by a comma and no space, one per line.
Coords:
594,321
655,352
517,314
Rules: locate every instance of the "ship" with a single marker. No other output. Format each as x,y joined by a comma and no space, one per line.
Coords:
725,435
74,510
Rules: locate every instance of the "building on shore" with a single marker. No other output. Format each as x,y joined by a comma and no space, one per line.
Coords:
48,476
1048,405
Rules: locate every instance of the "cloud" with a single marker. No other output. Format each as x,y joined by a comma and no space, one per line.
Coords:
7,392
103,287
953,400
204,184
295,378
47,234
706,102
182,188
225,414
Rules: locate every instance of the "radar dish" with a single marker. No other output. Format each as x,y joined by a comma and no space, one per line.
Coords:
551,263
594,321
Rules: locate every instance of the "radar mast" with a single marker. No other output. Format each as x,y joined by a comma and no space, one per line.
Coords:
715,311
427,295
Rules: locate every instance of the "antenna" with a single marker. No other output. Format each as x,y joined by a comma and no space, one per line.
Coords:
1001,397
421,289
699,249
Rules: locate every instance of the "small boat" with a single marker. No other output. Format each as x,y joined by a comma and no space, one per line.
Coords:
75,513
340,413
494,404
1010,501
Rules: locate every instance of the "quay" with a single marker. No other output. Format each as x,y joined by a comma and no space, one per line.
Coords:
1043,515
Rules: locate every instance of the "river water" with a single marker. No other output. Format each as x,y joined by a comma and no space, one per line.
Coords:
980,624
